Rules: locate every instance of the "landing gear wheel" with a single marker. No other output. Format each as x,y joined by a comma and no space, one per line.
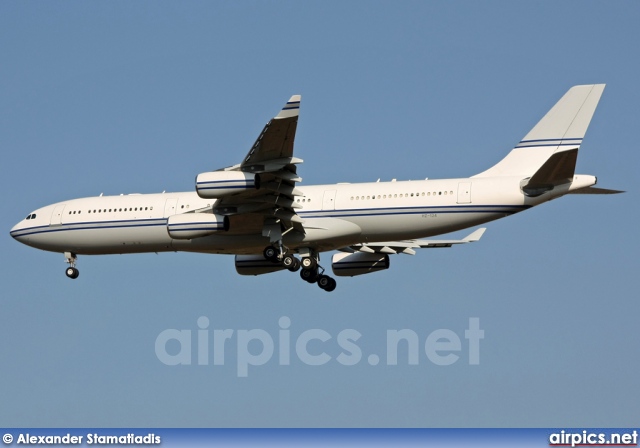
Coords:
309,263
290,262
323,281
327,283
271,253
332,285
309,275
71,259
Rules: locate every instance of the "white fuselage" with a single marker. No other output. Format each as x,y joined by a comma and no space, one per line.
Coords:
334,216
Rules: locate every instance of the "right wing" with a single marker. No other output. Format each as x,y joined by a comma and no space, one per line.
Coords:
408,246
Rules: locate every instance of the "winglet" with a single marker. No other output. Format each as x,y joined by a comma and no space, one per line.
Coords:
291,109
475,236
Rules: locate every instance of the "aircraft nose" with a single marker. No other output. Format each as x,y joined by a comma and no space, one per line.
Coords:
17,231
14,231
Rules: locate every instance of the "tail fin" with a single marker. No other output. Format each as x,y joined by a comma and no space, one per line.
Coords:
547,155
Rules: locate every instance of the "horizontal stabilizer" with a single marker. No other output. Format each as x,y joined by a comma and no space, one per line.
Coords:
558,169
595,190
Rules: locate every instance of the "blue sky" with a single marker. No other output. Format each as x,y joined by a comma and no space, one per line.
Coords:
139,97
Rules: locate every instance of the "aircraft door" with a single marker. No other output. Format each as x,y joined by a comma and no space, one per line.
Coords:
171,207
464,193
56,215
329,200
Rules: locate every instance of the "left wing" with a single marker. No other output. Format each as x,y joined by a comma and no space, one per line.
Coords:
271,205
408,246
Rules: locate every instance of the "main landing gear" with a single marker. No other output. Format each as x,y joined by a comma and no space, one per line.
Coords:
72,271
311,271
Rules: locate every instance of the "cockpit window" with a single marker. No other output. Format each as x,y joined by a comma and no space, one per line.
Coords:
31,216
28,217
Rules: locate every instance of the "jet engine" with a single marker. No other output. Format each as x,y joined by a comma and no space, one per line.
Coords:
217,184
256,265
195,225
349,265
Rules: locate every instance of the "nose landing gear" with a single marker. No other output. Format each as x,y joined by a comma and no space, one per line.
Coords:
72,271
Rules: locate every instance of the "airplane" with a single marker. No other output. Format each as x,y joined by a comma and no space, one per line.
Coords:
258,211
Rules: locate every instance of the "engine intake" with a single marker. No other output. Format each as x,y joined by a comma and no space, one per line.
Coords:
195,225
217,184
349,265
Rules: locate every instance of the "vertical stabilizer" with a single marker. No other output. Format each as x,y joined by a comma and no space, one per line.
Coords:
560,130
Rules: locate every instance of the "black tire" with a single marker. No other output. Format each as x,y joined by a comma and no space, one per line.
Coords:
308,263
291,263
309,275
332,285
324,281
270,253
72,273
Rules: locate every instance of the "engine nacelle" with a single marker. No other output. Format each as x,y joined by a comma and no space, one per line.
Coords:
195,225
256,265
349,265
217,184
